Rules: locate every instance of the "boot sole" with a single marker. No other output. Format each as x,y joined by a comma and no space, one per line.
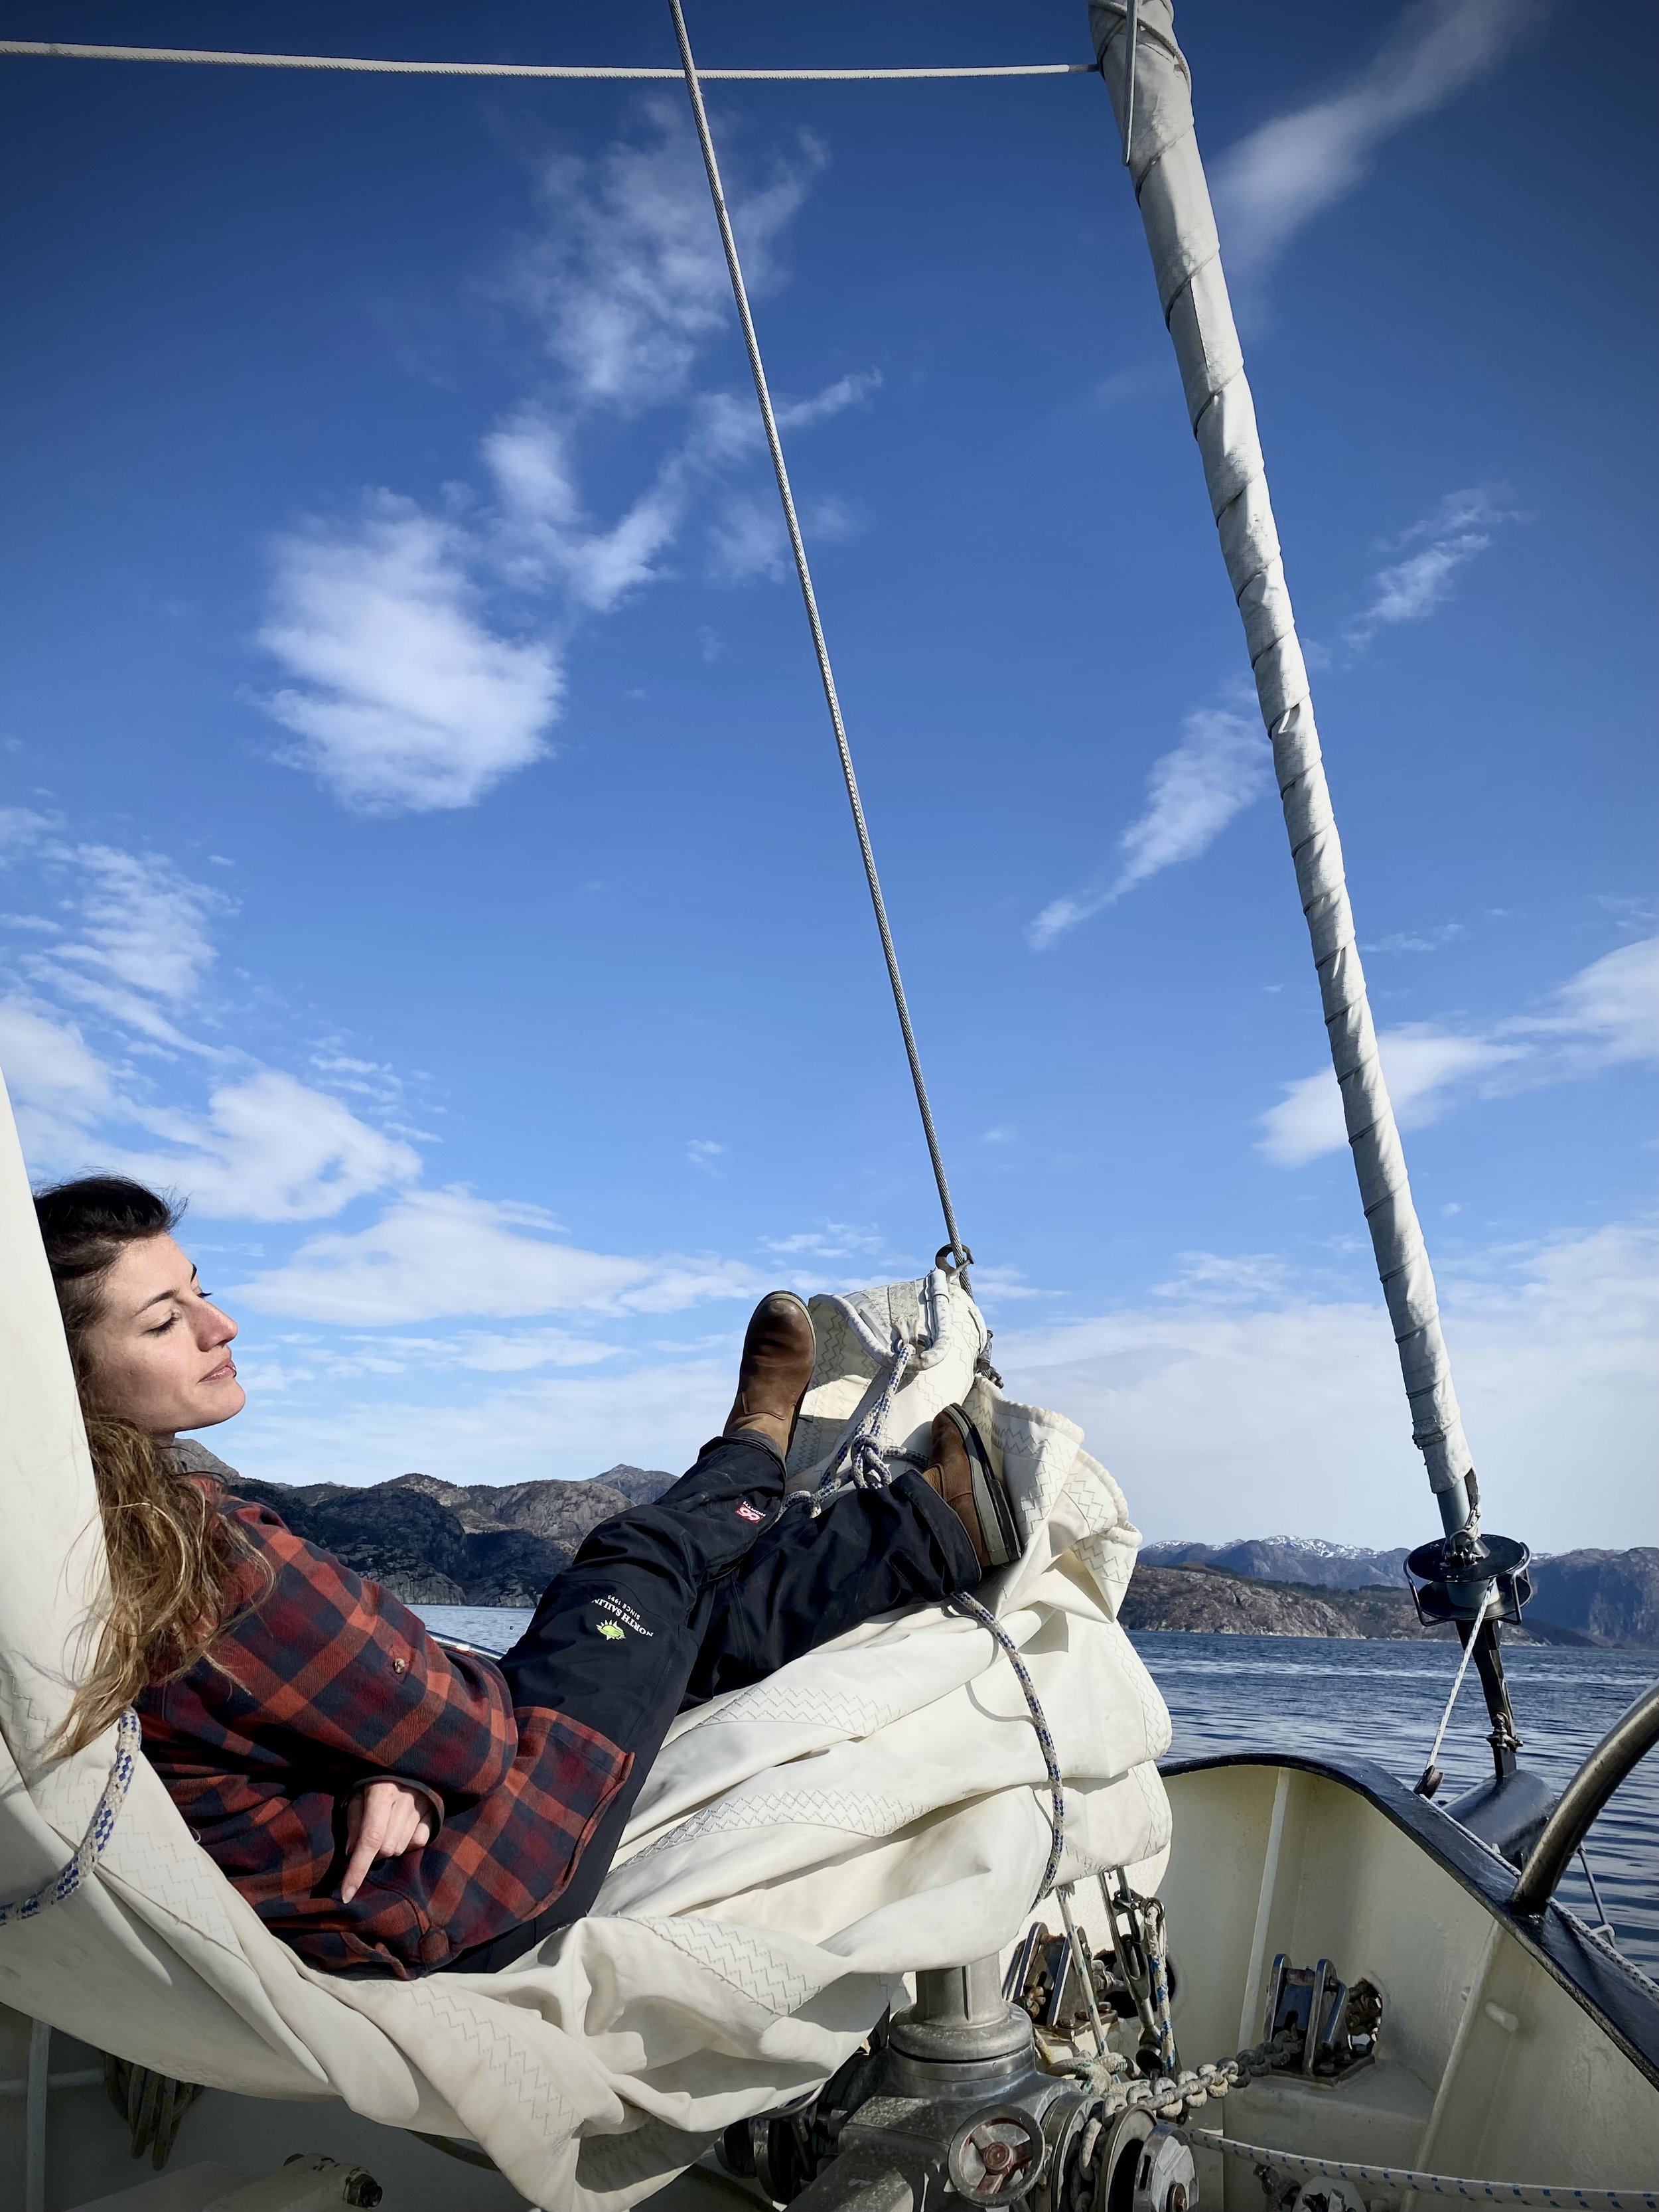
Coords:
991,1500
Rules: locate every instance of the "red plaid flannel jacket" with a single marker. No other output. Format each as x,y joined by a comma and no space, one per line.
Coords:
329,1682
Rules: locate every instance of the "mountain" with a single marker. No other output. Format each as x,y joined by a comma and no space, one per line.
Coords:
1609,1597
1308,1560
1206,1601
431,1542
480,1543
1582,1597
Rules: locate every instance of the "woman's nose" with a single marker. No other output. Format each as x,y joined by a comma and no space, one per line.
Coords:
218,1327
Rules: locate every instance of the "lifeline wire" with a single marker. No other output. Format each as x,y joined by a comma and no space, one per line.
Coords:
758,370
56,52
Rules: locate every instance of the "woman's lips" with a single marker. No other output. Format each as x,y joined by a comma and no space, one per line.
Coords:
224,1373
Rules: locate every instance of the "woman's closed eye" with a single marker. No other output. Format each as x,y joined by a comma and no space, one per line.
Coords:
162,1327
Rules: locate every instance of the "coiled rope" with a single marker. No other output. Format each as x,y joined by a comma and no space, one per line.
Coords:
820,645
101,1827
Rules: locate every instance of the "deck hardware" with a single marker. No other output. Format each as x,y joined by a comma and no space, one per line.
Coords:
1166,2176
1325,2030
996,2159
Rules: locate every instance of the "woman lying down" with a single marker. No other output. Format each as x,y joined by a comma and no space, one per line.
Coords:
388,1806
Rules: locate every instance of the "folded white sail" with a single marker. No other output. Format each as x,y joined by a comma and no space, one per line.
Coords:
1175,207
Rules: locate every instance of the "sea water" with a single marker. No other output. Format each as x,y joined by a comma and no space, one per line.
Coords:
1328,1696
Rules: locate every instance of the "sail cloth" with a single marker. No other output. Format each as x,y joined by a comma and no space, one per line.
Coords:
1180,225
877,1807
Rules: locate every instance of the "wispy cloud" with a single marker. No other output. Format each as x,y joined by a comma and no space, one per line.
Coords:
1221,765
1410,589
1283,174
270,1149
1606,1016
426,651
1430,938
94,1021
626,276
435,1254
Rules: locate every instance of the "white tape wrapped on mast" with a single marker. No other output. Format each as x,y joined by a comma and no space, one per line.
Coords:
1175,206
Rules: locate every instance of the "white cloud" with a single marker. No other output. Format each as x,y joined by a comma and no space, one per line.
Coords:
1221,765
628,278
410,701
1428,940
835,1240
1605,1016
413,689
1609,1010
1292,1415
569,1426
142,925
1284,174
435,1253
1411,589
57,1085
270,1149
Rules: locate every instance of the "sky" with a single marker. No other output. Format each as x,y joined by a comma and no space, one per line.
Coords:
424,848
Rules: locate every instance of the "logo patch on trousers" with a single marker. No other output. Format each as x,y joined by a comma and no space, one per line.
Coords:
747,1512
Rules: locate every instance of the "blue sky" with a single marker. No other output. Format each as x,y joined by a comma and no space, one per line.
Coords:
426,848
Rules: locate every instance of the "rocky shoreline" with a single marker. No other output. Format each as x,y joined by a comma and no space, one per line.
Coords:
431,1542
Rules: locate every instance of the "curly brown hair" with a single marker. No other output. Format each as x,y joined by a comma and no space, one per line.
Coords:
177,1568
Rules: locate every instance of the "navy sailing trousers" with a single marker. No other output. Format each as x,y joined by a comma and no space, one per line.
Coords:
715,1585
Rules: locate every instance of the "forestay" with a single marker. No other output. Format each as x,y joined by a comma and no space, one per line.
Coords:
799,1846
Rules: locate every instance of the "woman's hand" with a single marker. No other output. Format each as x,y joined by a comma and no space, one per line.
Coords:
383,1820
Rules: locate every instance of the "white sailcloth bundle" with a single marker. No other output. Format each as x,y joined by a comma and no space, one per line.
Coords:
877,1807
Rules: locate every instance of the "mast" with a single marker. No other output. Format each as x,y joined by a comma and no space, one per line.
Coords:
1465,1579
1152,100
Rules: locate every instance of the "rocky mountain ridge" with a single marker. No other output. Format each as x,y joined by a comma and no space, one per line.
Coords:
433,1542
1588,1596
445,1543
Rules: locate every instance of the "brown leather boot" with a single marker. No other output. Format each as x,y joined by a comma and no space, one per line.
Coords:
779,1348
959,1468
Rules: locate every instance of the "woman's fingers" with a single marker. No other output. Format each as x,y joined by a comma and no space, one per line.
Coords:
367,1818
383,1821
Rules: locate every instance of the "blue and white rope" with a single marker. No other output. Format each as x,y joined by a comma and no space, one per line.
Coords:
101,1827
863,1453
988,1622
1433,2184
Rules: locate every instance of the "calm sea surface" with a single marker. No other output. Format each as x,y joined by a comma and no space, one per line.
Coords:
1382,1701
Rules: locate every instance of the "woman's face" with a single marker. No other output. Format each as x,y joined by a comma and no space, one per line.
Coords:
159,1353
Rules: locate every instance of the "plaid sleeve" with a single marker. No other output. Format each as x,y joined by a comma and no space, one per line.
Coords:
334,1664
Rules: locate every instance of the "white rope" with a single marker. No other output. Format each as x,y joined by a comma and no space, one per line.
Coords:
820,646
101,1827
1457,1684
1175,207
60,51
1429,2185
